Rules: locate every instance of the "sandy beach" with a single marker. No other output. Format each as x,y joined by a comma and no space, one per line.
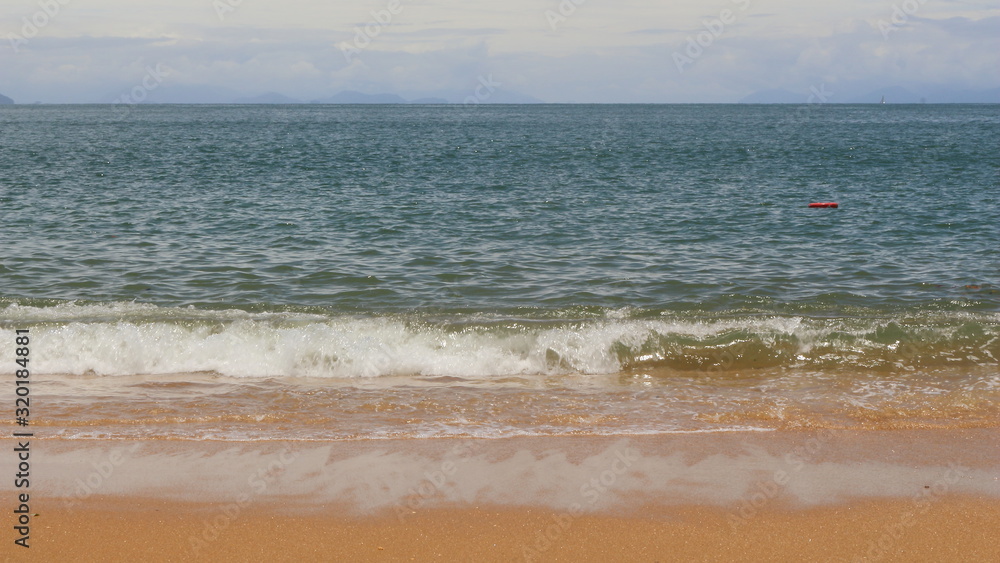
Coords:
133,529
759,496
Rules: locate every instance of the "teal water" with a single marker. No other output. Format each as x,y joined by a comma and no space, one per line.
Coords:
389,209
480,243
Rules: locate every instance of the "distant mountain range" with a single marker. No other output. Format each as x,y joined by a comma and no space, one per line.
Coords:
203,94
213,95
892,95
269,98
351,97
354,97
939,95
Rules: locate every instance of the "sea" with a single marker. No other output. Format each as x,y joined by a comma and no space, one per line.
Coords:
352,272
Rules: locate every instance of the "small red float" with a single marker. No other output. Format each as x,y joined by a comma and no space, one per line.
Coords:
825,204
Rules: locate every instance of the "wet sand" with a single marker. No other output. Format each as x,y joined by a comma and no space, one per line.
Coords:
776,496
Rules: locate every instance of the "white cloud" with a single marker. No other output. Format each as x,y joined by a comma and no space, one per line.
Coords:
600,51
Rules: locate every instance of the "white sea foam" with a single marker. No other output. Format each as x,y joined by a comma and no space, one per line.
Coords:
130,338
334,348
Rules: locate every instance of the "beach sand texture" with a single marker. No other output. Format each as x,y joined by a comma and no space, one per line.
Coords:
759,496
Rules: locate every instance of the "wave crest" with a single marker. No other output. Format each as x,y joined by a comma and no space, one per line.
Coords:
129,339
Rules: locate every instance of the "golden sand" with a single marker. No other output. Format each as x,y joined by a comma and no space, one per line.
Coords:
953,529
778,496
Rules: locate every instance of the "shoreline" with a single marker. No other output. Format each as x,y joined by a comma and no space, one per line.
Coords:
756,494
365,476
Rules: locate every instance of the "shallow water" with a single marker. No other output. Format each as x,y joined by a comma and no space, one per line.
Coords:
353,272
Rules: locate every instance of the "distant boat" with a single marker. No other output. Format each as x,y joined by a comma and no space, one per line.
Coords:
883,100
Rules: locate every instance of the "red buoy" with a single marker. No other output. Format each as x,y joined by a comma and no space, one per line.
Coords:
825,204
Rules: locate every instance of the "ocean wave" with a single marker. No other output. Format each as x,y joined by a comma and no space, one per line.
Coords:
131,338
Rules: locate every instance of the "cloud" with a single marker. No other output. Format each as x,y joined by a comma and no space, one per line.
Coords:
601,52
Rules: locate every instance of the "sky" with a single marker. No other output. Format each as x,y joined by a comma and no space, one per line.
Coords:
573,51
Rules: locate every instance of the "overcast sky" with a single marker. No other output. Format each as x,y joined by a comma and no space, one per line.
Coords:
593,51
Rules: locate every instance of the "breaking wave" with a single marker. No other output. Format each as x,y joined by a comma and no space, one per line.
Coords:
130,338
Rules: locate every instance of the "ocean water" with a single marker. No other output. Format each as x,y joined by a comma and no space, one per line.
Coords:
363,272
